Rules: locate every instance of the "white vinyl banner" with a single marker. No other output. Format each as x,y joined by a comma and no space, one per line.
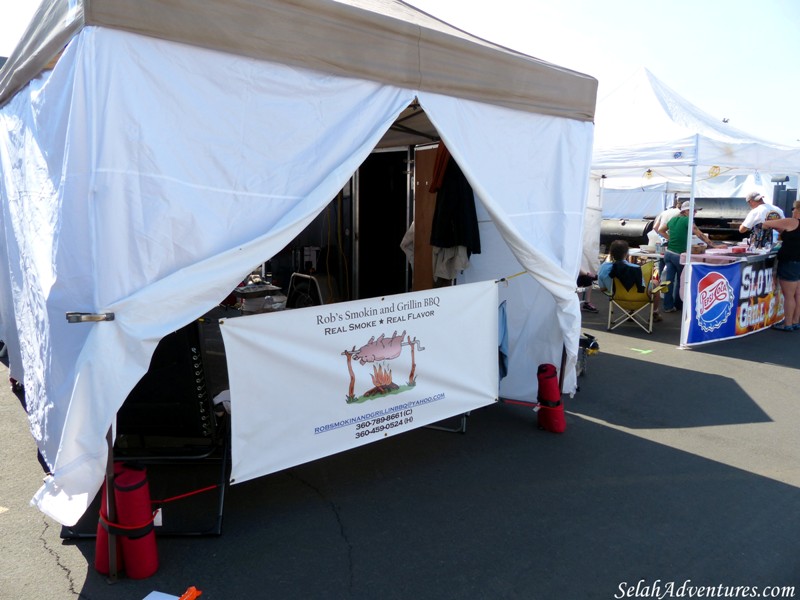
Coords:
310,382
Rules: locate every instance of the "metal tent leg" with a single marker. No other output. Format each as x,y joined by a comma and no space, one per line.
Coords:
462,427
111,508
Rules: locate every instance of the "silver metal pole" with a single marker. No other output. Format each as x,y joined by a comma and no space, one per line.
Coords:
411,171
111,509
687,268
356,245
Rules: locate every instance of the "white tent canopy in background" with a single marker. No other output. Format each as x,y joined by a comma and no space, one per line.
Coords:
636,203
154,164
648,137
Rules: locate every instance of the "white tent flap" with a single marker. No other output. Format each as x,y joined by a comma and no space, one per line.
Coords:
179,189
519,191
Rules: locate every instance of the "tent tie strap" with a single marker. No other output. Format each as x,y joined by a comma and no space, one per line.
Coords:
129,531
549,404
136,531
534,405
187,494
505,279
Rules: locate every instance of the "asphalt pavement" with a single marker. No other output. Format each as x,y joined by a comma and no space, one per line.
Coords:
679,471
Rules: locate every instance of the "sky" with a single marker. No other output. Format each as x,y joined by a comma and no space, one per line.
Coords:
735,59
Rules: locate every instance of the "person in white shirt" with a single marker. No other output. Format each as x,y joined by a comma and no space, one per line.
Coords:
760,211
665,215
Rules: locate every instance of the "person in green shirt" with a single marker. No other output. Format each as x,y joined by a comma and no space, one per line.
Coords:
676,231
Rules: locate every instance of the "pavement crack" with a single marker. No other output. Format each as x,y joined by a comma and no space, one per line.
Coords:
342,528
56,555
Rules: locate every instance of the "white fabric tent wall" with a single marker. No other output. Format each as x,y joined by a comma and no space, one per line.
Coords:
633,204
158,193
135,182
546,205
631,199
593,216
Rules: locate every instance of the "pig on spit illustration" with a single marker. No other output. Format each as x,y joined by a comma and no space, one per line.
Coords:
379,350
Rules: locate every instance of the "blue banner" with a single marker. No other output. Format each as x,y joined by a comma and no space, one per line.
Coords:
732,300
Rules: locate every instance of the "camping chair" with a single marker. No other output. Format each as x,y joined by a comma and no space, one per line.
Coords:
629,299
169,419
311,290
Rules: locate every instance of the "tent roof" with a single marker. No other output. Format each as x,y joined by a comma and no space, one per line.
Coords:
378,40
643,123
644,109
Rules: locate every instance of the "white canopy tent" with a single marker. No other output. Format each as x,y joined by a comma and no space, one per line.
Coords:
649,138
156,148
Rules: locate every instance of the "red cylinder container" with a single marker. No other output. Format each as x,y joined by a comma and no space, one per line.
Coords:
135,517
551,410
101,558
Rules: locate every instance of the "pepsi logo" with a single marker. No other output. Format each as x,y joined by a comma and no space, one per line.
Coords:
714,301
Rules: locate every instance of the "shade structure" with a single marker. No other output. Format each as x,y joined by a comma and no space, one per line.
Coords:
154,151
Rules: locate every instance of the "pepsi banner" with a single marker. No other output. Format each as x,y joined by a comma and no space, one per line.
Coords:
733,300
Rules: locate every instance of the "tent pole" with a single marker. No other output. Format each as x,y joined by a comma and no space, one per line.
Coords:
355,196
410,207
111,509
687,268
